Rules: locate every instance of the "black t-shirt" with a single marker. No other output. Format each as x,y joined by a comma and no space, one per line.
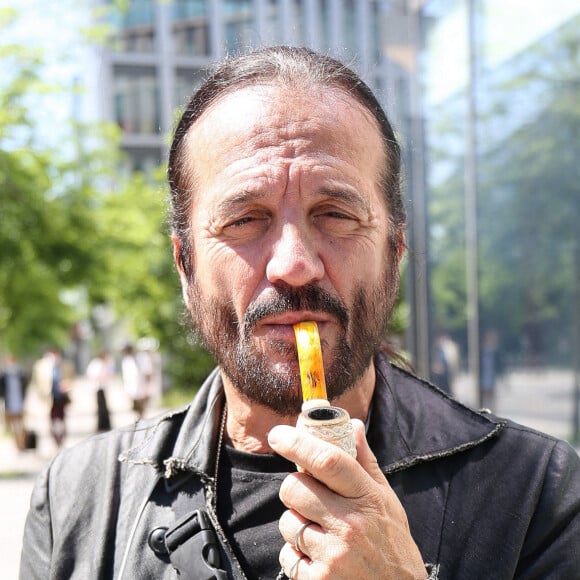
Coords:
249,508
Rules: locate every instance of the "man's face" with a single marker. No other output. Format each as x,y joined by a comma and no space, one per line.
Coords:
288,224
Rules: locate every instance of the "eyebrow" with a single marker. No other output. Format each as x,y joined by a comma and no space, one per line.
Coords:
241,198
247,196
347,196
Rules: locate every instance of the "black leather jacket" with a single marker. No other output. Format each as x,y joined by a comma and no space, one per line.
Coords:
485,498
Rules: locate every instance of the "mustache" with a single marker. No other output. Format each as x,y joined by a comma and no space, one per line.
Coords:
307,297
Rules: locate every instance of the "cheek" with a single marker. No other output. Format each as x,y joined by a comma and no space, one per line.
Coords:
224,274
362,264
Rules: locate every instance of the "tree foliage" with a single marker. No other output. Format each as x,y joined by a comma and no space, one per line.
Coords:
528,201
78,236
39,253
139,279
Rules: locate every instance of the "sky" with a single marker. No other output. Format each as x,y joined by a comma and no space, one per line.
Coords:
55,28
511,26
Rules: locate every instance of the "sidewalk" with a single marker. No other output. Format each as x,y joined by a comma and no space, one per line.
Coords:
18,469
538,398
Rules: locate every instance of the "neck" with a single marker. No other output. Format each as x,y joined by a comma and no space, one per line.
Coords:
248,424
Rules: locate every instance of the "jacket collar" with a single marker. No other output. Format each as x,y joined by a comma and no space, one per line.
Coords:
184,439
411,422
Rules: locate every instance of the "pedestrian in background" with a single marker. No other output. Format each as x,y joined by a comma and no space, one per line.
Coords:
52,378
452,356
100,371
13,384
490,368
137,373
440,367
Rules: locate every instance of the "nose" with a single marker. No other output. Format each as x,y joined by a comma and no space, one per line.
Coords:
294,259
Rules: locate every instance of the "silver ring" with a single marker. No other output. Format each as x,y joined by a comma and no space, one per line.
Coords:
298,534
295,567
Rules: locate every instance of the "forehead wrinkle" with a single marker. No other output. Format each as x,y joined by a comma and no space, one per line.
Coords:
273,135
287,131
276,142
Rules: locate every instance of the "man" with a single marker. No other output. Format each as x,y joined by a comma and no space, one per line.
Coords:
284,174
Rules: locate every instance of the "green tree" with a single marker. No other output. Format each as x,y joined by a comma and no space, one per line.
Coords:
529,200
139,279
40,253
531,192
77,233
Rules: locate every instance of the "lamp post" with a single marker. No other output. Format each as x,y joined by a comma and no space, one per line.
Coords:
471,221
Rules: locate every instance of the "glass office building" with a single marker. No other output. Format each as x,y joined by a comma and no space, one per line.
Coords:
484,96
161,49
500,93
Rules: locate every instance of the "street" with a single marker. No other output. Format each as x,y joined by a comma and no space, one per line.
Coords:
540,399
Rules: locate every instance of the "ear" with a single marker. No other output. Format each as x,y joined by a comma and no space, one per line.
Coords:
401,242
178,258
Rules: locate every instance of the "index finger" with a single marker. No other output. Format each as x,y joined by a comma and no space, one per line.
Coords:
326,462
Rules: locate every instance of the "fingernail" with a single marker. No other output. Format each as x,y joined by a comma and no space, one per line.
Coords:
279,433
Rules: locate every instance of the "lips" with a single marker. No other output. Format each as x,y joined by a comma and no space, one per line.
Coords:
292,318
281,326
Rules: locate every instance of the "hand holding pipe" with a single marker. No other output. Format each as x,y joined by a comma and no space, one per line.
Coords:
318,416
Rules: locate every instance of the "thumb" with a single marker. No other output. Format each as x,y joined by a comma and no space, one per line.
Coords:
364,455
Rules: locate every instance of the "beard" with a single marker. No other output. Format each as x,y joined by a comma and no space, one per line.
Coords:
217,327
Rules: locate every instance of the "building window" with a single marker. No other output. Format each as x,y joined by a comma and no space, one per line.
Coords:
139,13
273,22
135,27
143,160
186,82
296,21
348,30
324,22
375,31
184,9
136,99
238,16
191,27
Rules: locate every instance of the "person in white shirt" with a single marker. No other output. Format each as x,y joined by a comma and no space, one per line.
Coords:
100,371
137,372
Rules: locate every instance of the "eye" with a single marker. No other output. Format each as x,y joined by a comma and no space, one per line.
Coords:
241,222
335,221
247,225
338,215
